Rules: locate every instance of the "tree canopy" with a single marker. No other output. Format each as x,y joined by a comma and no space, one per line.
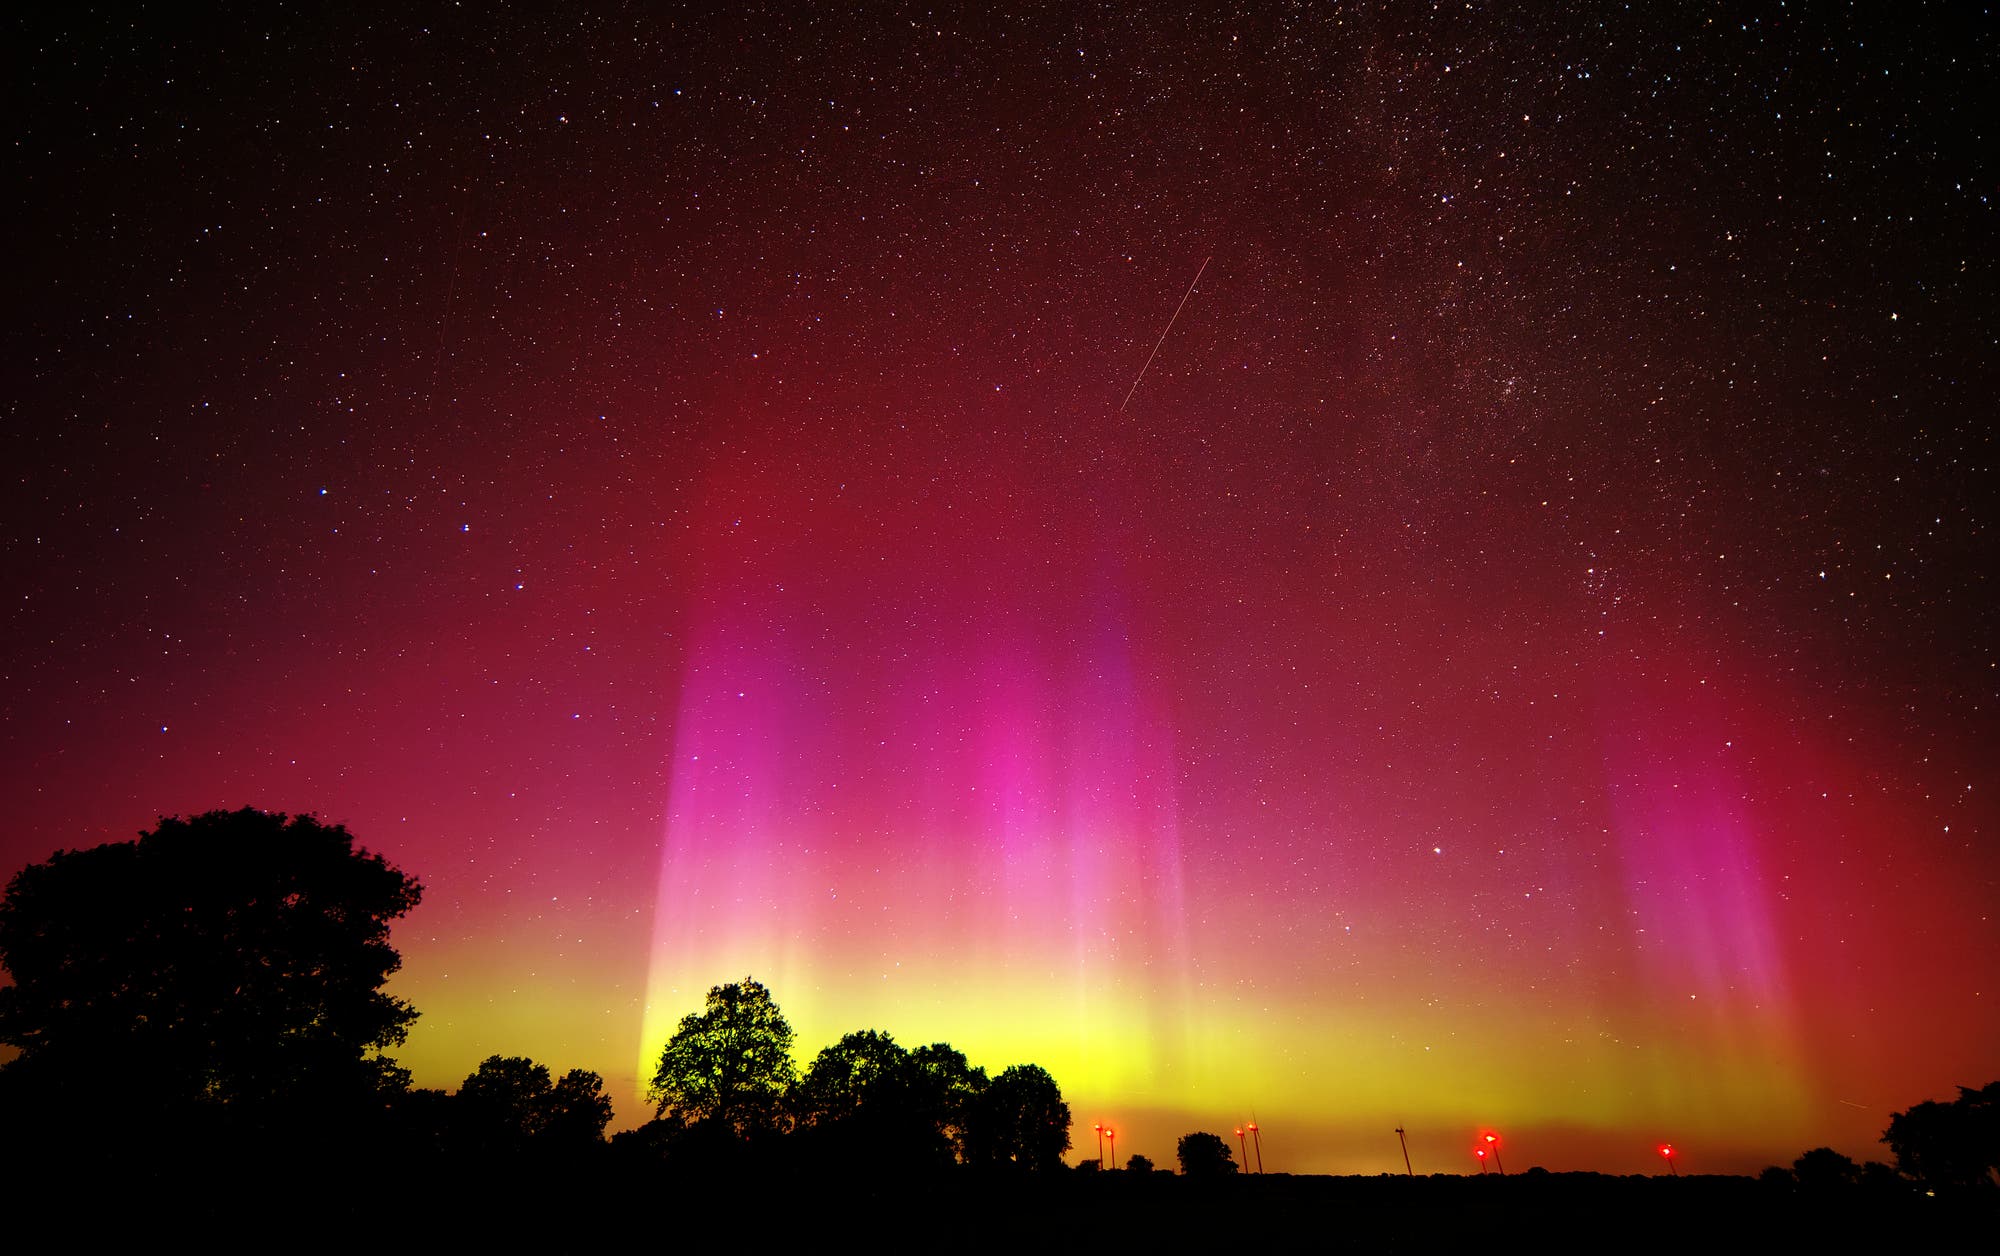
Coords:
730,1063
232,960
869,1096
510,1103
950,1089
863,1073
1203,1154
1824,1169
1020,1120
1955,1145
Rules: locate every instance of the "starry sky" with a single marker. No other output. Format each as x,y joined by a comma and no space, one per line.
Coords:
761,491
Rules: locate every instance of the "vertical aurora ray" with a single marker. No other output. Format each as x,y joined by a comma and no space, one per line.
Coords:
936,757
1710,970
951,815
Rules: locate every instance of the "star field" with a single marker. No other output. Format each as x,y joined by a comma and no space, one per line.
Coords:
1523,655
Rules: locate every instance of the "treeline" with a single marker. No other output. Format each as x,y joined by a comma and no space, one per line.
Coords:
726,1081
1952,1147
210,994
214,990
729,1097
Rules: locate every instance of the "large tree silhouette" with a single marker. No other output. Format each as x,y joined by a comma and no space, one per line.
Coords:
730,1063
229,964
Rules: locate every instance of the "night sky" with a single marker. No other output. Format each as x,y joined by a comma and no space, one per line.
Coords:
1523,657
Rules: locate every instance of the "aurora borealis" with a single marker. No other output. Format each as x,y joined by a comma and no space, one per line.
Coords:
1523,658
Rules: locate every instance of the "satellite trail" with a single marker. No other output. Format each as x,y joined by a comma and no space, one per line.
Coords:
1163,335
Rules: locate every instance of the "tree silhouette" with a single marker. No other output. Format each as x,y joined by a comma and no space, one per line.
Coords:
230,964
1020,1120
1777,1177
578,1110
865,1074
1139,1164
1954,1144
949,1088
730,1063
865,1097
510,1104
500,1105
1204,1155
1824,1169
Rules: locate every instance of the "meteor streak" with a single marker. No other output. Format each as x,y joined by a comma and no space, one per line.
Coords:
1163,335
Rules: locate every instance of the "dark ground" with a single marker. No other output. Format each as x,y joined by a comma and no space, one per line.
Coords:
610,1204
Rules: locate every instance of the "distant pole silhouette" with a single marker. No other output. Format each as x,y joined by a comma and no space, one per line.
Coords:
1258,1143
1493,1141
1667,1150
1099,1127
1242,1152
1404,1139
1112,1135
1481,1153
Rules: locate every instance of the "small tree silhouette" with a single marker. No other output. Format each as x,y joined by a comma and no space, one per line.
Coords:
510,1104
1204,1155
1824,1169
